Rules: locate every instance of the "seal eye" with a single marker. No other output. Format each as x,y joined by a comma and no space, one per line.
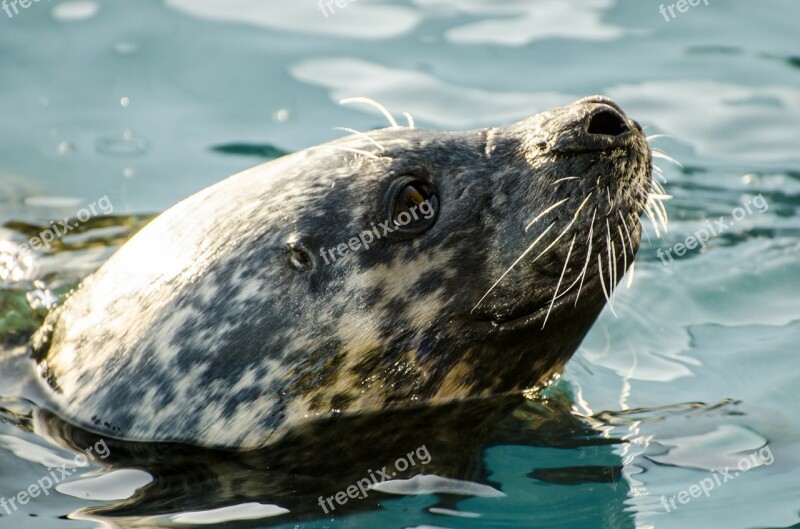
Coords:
299,258
413,206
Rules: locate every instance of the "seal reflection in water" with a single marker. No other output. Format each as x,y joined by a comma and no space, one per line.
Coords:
221,325
304,474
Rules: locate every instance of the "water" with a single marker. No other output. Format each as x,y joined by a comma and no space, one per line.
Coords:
147,102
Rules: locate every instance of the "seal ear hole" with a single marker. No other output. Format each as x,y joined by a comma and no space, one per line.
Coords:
413,206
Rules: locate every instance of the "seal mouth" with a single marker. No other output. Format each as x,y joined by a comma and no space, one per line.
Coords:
522,322
524,318
532,318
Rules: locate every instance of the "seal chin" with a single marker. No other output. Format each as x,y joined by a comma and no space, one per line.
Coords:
529,317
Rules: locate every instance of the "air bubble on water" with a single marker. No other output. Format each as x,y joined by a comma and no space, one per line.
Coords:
749,178
282,115
65,147
128,172
124,102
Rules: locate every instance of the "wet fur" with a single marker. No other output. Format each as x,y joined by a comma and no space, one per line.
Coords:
199,330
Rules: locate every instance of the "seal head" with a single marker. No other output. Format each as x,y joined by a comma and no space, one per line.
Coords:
261,302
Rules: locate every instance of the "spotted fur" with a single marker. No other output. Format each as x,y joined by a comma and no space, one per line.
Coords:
200,330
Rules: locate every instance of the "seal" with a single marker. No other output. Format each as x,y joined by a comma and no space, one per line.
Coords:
259,302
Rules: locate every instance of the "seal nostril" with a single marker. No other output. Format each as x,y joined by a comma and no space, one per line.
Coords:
607,122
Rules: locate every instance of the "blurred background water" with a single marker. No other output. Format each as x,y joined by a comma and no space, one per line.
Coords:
147,102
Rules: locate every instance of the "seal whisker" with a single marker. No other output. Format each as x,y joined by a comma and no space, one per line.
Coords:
533,244
657,136
560,279
627,231
614,260
372,103
545,212
630,276
646,233
658,201
603,284
568,226
565,179
656,195
612,280
410,119
659,173
624,250
657,189
661,212
656,185
588,257
650,216
361,135
648,211
526,252
664,156
350,150
567,290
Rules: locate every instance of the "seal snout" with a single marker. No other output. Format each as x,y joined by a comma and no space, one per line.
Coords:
594,124
608,122
607,117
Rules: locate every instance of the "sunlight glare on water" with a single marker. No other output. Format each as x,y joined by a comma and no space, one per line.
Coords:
147,102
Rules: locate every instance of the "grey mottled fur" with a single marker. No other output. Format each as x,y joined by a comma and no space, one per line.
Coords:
200,330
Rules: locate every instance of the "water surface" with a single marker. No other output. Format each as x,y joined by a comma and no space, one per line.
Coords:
147,102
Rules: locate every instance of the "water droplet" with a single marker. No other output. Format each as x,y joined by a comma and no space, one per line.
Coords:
65,147
41,298
749,178
124,102
17,262
282,115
